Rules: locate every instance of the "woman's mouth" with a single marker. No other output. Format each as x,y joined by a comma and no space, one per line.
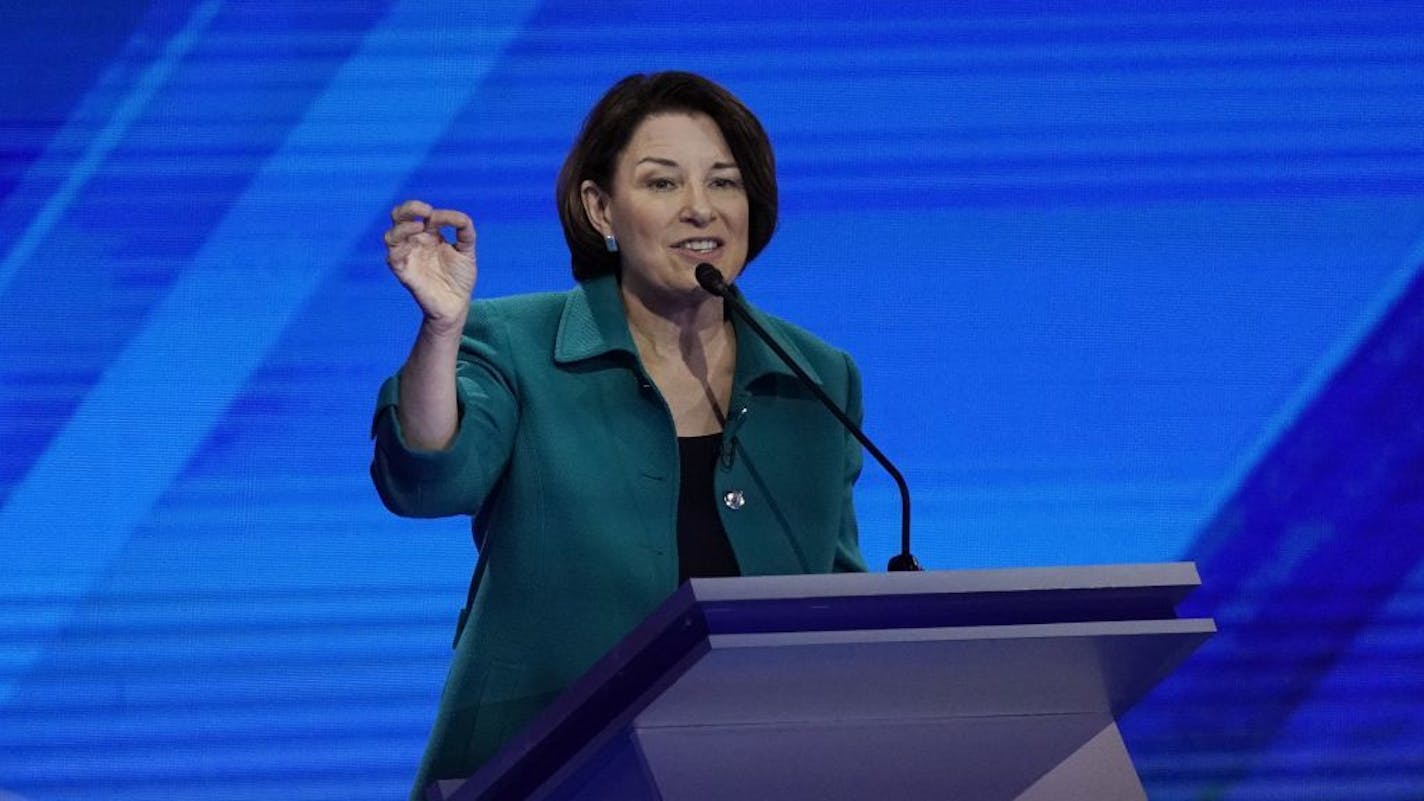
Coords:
699,246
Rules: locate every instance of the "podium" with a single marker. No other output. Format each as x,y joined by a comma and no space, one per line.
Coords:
976,684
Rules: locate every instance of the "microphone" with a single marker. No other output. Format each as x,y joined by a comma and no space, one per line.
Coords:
711,280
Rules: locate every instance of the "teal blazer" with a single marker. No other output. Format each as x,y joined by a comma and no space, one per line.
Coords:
567,459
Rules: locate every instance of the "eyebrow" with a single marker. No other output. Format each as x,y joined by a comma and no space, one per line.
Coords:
720,165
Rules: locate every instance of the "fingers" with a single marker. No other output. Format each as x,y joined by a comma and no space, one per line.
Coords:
410,210
402,237
461,222
416,227
428,218
400,232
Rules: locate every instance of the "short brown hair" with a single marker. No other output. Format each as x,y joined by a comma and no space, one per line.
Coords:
610,125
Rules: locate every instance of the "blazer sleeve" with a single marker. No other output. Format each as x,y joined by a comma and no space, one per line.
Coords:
848,558
457,480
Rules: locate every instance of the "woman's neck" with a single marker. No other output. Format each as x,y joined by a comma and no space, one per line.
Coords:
690,354
665,328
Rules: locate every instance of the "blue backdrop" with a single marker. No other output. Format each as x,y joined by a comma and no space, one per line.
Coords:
1125,285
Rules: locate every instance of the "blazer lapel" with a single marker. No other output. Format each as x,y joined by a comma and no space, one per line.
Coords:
756,360
592,323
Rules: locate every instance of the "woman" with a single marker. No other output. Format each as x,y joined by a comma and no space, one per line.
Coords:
618,438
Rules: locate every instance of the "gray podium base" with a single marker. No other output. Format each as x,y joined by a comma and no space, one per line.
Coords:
982,685
790,716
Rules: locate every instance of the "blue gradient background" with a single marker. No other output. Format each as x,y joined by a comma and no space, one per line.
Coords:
1127,282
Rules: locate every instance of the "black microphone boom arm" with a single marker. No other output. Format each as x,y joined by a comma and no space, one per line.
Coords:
711,280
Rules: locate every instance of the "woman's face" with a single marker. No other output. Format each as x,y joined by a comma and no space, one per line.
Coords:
676,200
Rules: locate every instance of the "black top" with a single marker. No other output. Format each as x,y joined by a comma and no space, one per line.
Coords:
702,546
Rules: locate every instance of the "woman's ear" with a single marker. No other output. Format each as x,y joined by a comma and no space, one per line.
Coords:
595,205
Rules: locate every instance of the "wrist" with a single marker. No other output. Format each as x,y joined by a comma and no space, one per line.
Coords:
442,328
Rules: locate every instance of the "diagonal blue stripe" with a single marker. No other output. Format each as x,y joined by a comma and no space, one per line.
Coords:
1208,541
103,143
139,425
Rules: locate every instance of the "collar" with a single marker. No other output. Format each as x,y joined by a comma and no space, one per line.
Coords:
593,324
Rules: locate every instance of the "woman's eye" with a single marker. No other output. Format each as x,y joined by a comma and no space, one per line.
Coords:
661,184
726,183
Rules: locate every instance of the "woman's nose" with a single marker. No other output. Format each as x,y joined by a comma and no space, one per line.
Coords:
696,207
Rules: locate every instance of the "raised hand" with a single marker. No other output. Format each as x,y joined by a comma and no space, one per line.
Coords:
440,275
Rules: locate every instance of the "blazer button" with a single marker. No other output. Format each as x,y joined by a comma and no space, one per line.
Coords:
734,499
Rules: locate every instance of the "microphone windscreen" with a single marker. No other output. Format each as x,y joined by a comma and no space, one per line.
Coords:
711,279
